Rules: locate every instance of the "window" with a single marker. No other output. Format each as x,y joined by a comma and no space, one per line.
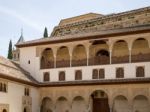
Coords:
18,56
98,74
29,62
26,92
119,73
3,87
46,76
140,72
78,75
14,56
95,74
62,76
101,73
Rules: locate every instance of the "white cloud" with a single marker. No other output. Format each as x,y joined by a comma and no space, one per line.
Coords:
21,17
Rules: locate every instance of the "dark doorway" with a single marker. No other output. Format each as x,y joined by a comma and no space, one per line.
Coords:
4,110
100,102
25,110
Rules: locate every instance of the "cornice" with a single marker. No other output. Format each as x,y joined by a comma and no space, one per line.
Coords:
79,83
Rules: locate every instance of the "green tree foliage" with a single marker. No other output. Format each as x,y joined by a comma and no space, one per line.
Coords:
45,35
10,50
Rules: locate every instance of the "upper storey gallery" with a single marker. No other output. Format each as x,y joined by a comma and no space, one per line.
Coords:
98,49
92,39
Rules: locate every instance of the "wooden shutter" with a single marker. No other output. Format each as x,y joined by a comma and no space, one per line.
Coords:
78,75
140,72
46,76
119,73
101,73
95,74
62,76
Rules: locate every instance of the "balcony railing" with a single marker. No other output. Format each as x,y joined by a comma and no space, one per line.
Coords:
47,65
140,57
63,63
99,60
121,59
82,62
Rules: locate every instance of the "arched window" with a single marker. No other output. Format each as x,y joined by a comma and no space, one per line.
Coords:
140,50
99,53
119,73
4,110
79,56
62,76
140,72
120,52
47,59
95,74
46,76
101,73
78,75
63,57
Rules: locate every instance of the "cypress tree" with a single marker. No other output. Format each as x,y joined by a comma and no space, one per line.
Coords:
45,35
10,50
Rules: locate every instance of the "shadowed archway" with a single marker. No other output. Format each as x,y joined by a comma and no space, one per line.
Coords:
100,101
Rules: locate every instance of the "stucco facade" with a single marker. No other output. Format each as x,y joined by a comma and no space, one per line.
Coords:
90,63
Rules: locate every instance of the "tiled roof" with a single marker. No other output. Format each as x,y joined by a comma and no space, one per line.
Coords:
12,69
84,35
96,27
107,22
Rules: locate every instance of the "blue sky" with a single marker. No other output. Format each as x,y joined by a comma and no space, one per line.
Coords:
34,15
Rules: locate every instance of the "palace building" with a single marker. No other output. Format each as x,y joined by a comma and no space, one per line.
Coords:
90,63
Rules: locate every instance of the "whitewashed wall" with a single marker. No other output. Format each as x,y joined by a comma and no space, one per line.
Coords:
28,54
110,71
14,97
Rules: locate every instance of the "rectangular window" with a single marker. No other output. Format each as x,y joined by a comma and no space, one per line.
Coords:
27,92
95,74
3,87
101,73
